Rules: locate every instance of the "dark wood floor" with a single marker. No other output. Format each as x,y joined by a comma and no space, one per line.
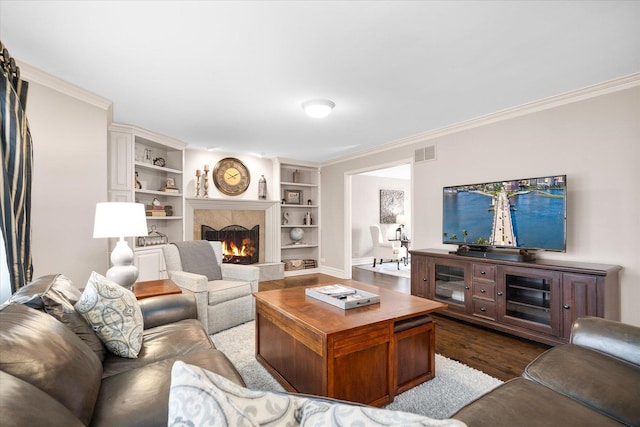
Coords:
500,355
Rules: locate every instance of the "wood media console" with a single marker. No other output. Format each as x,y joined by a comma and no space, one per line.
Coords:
366,354
538,299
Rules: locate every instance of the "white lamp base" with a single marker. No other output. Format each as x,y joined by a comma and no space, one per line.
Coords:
123,271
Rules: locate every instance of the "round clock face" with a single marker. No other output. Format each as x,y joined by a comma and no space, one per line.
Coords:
231,176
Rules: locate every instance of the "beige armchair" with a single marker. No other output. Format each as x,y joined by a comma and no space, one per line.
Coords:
221,304
384,249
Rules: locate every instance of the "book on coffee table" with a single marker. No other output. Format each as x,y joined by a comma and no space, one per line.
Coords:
343,296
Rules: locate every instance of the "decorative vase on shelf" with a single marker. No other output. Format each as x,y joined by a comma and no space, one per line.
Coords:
296,235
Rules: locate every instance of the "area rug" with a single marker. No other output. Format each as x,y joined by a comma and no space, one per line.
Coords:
390,268
454,386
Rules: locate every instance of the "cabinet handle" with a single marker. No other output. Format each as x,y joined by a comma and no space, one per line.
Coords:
499,293
466,287
424,279
483,309
566,306
483,272
483,291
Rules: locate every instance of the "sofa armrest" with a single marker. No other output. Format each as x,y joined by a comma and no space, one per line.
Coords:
245,273
190,281
608,336
165,309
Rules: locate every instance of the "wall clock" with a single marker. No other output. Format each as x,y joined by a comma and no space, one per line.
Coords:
231,176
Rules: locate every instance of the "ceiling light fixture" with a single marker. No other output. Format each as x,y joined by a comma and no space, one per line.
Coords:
318,108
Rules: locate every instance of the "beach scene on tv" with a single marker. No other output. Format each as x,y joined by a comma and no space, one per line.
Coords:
525,213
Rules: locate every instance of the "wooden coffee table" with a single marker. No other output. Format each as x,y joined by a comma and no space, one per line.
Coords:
366,354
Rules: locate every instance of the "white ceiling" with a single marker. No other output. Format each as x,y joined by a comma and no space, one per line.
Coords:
232,74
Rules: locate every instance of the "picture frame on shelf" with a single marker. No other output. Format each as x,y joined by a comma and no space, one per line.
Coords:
293,197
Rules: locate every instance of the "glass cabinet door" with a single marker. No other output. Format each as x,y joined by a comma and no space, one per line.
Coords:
450,284
529,298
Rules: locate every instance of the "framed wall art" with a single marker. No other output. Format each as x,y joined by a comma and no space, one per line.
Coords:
391,205
293,197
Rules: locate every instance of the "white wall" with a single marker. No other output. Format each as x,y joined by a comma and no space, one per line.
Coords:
594,140
69,178
366,210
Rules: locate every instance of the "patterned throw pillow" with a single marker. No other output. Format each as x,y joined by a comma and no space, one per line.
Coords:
114,314
202,398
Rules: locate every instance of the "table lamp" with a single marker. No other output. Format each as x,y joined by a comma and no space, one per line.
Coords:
402,220
119,219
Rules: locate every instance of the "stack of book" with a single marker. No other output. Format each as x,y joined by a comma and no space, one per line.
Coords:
168,189
153,210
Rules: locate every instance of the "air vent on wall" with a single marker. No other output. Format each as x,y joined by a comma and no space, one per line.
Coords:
425,153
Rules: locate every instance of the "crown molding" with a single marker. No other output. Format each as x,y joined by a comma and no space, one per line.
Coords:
599,89
35,75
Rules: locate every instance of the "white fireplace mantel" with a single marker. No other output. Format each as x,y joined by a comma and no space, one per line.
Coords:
271,219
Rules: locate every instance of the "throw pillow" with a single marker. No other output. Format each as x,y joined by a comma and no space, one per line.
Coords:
202,398
320,413
55,295
114,314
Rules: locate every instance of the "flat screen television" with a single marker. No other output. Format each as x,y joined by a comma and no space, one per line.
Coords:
525,214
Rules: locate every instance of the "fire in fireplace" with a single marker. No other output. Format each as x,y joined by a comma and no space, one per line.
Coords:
240,245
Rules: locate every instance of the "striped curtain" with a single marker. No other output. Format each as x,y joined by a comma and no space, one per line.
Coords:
15,179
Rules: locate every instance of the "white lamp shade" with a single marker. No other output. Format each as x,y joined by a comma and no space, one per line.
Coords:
402,219
118,219
318,108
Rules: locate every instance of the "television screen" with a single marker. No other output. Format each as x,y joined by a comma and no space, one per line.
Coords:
524,214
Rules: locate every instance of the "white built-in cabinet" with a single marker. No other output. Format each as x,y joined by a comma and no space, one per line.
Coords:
303,180
140,164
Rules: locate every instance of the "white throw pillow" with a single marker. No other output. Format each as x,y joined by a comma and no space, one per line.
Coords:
318,413
114,314
202,398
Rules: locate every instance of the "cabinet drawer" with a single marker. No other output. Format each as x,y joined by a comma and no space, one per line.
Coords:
484,272
486,290
484,308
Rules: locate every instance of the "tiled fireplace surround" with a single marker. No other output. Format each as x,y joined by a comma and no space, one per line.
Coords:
219,213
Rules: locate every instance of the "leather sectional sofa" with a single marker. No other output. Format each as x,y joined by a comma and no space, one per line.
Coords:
55,372
592,381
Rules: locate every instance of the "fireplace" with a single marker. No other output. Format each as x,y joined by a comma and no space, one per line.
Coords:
240,245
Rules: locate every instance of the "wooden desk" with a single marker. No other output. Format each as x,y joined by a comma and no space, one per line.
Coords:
367,354
154,288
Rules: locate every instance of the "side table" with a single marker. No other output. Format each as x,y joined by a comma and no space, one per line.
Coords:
154,288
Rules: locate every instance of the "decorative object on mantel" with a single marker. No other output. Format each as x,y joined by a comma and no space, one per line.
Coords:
159,161
307,219
285,218
197,183
137,184
262,188
206,181
309,202
147,156
231,176
296,176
